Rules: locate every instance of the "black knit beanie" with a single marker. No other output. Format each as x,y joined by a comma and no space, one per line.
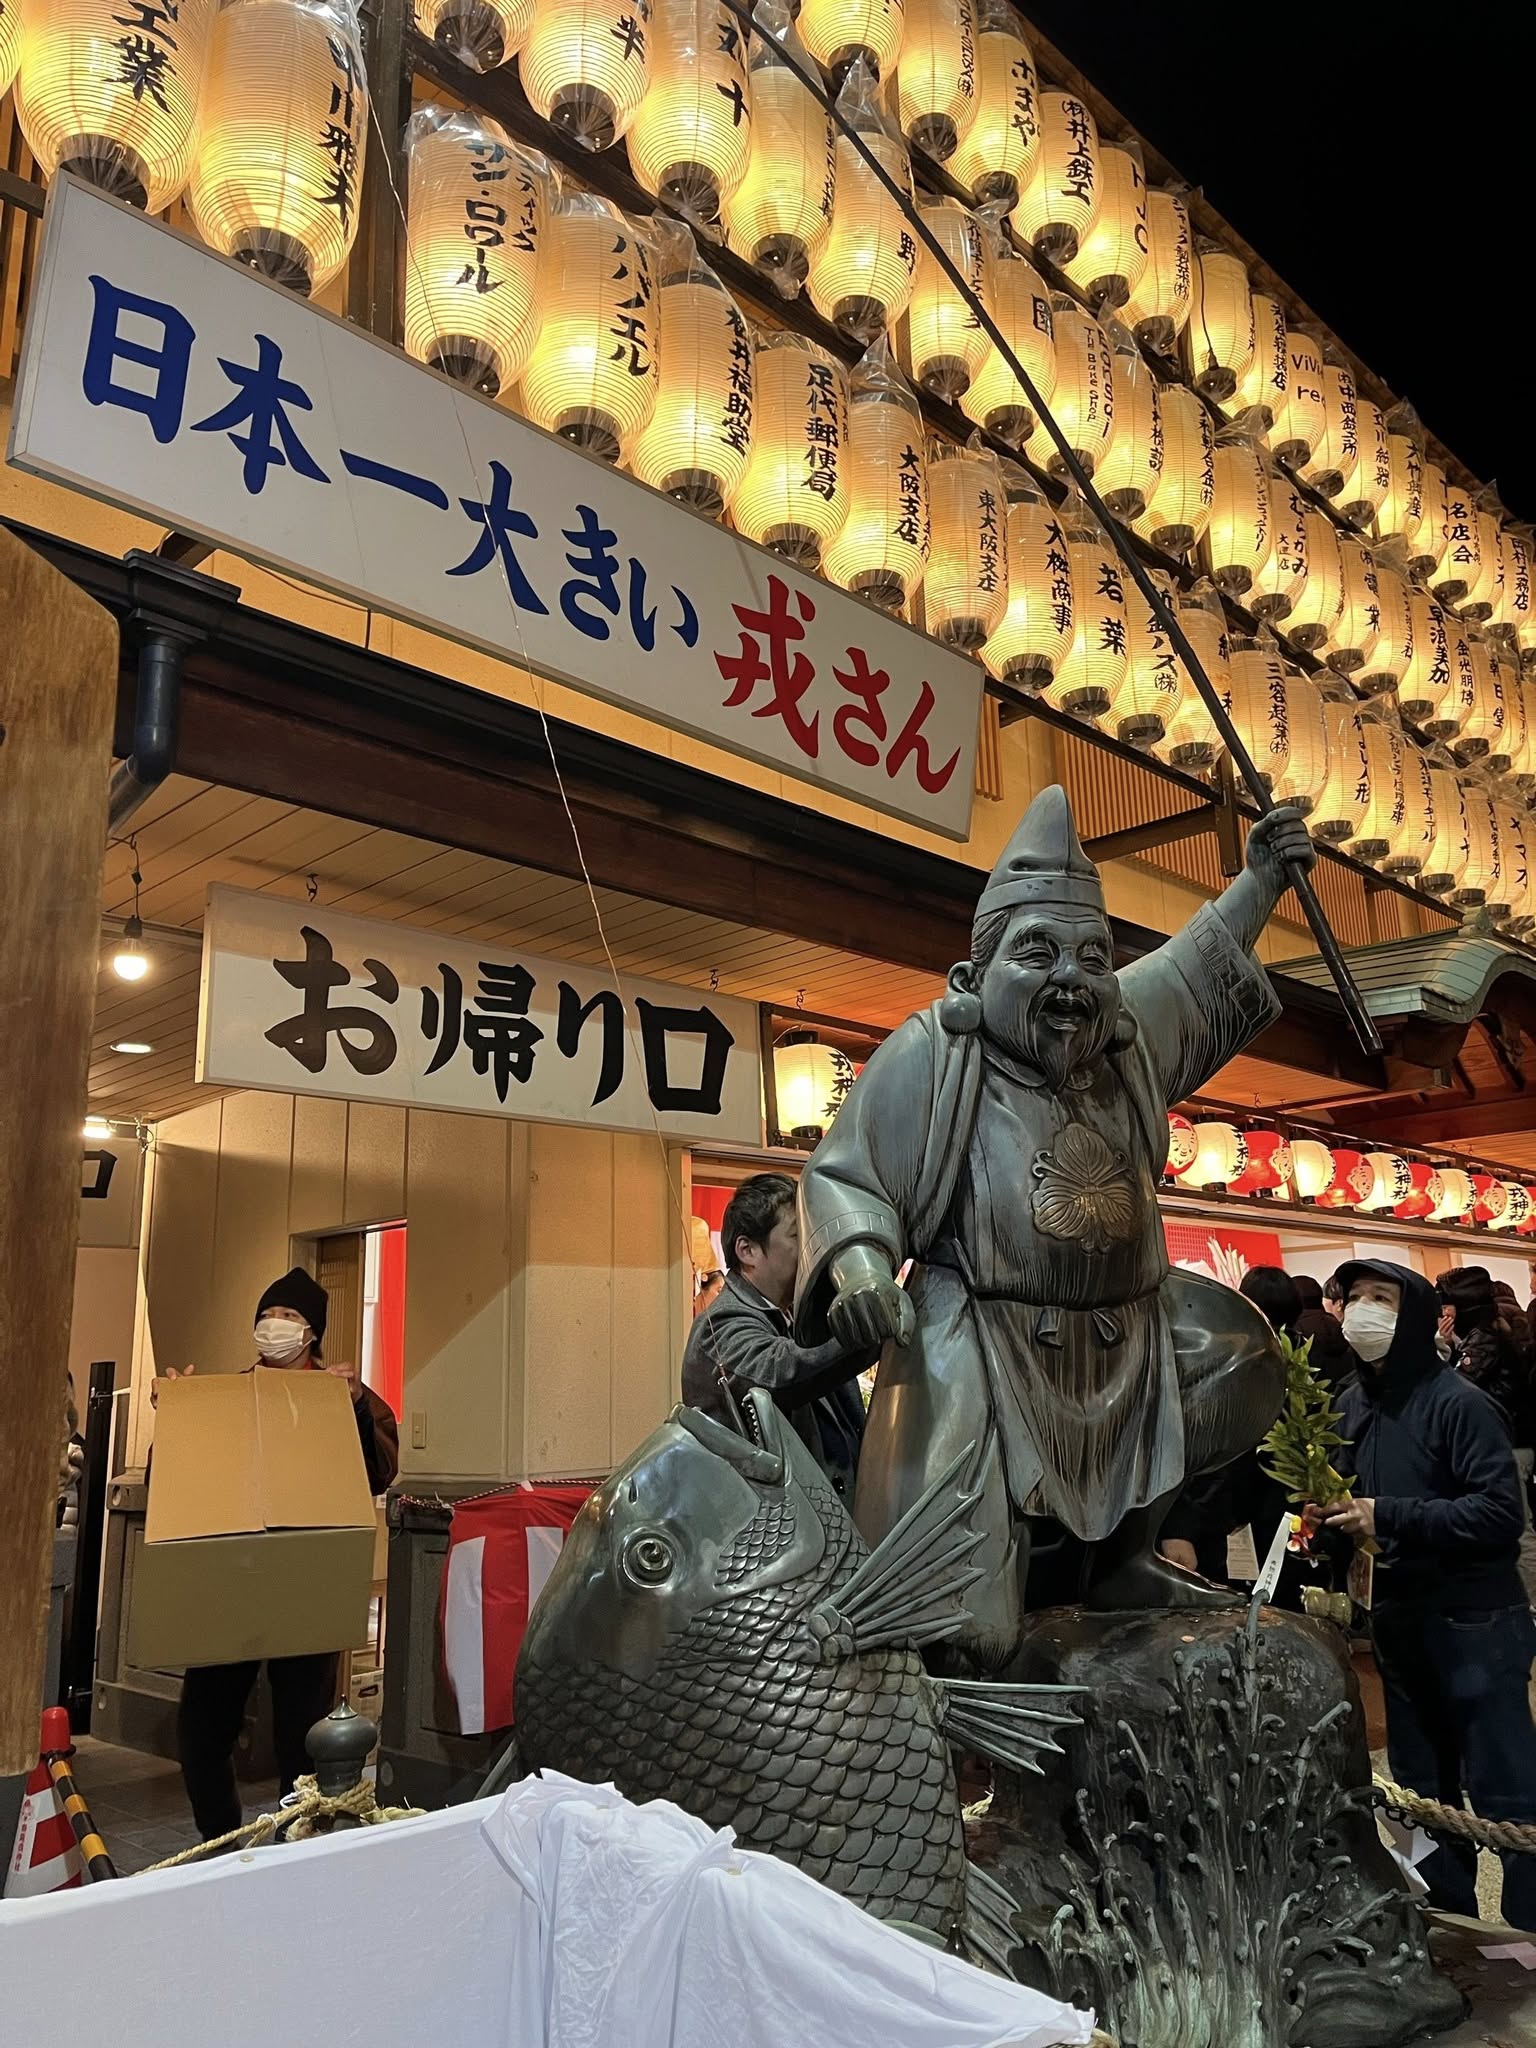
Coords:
302,1293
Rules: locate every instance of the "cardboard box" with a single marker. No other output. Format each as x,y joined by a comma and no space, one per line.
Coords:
259,1537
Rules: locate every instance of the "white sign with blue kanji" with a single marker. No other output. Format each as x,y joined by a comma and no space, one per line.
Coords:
171,381
305,1001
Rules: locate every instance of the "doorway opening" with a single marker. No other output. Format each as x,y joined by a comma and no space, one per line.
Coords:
363,1272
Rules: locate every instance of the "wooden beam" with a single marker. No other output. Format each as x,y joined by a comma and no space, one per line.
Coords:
58,678
1488,1117
1156,832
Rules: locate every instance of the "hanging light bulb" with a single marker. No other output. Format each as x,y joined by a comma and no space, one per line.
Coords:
1060,200
585,72
1336,455
1391,1181
1279,582
996,158
1262,386
1302,421
1182,1145
1148,698
794,496
965,590
480,33
1111,258
1367,488
946,342
1314,614
936,80
1092,669
1239,539
1392,653
475,221
1158,308
841,32
281,138
1445,859
697,443
1180,509
691,134
1456,1195
1402,503
1358,625
1221,330
1035,632
1021,309
1083,402
781,212
129,960
110,98
1480,695
882,550
1279,718
1128,475
862,275
1189,741
1221,1154
592,375
1311,1167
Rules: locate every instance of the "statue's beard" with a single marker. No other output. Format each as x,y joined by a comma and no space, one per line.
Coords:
1064,1031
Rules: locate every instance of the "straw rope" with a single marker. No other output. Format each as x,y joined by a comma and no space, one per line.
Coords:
311,1812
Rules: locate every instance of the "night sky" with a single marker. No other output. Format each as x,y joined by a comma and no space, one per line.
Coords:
1413,235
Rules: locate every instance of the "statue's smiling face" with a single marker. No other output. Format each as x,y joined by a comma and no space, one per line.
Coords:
1049,993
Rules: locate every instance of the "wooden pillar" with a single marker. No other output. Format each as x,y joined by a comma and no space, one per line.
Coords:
58,689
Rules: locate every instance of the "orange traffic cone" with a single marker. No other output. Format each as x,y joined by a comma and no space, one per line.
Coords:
46,1857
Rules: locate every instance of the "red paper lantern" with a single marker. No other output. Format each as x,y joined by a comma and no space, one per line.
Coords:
1424,1192
1182,1144
1352,1181
1489,1198
1269,1164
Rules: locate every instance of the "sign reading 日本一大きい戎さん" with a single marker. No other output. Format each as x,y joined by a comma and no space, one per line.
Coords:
165,379
298,999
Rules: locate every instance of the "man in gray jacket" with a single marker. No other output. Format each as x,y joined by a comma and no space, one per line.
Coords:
744,1336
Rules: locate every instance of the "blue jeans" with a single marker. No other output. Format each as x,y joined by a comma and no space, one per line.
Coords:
1459,1720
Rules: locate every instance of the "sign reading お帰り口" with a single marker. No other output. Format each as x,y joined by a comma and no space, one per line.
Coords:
305,1001
166,379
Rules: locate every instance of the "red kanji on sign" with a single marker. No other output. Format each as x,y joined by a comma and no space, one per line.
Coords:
868,685
790,679
911,741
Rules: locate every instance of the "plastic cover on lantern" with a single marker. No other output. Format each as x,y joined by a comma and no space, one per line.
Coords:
1391,655
965,588
1302,420
936,80
1402,505
1111,258
1424,1192
862,275
584,72
595,278
946,342
1426,677
1345,800
480,33
282,134
1147,702
882,550
1181,505
1262,387
1480,871
691,135
837,31
1278,713
1278,584
1240,538
1365,490
1182,1144
1269,1164
1315,610
1127,475
1445,859
1020,305
1456,1195
1413,848
1158,308
781,212
1221,1154
1358,625
1093,666
1190,741
1428,547
1480,695
1221,331
698,441
1482,589
996,157
1337,454
1036,628
1311,1168
1060,201
1083,403
794,495
474,223
1461,565
109,91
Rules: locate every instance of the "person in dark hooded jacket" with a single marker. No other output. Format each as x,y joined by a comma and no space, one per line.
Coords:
1435,1483
1488,1349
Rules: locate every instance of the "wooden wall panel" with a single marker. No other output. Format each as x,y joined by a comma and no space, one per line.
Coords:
376,1148
250,1238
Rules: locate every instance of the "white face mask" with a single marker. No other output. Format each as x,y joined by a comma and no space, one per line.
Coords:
280,1341
1369,1329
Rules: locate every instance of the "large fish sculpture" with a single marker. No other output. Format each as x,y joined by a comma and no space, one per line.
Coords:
716,1633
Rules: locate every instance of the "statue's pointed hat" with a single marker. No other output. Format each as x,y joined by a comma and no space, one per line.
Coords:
1044,862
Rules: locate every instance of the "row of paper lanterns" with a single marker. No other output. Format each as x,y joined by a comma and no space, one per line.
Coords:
1217,1154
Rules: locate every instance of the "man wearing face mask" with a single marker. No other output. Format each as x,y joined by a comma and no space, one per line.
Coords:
1009,1141
290,1323
1437,1489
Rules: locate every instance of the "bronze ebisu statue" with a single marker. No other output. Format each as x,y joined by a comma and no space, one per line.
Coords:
1009,1140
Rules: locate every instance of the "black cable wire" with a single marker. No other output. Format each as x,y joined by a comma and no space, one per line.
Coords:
810,77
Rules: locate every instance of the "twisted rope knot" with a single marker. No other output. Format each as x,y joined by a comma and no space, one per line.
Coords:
311,1812
1455,1820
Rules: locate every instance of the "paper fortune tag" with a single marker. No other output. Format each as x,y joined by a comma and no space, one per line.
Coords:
1362,1578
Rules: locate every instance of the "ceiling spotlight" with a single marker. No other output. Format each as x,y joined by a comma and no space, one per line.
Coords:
97,1129
132,1045
130,962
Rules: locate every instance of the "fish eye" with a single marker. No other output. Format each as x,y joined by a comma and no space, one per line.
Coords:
648,1559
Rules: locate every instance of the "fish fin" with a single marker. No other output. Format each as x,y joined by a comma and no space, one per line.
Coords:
987,1934
907,1591
1012,1724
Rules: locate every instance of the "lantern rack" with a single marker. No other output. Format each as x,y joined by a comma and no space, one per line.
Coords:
776,1024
